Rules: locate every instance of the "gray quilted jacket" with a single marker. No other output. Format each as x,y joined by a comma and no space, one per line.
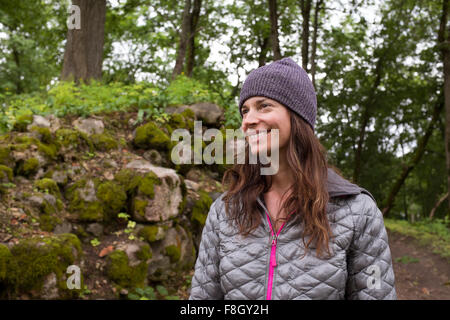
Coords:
266,266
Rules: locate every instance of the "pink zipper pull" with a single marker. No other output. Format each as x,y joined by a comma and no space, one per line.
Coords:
274,251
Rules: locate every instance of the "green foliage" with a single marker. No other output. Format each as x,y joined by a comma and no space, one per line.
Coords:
434,233
407,259
149,293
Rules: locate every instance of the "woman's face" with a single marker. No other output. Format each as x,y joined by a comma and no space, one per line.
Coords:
264,114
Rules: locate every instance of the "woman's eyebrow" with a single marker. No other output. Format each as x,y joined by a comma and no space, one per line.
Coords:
257,102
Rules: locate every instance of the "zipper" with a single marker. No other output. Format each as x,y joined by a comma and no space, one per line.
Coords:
273,255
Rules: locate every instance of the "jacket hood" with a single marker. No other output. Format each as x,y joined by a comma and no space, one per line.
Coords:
340,187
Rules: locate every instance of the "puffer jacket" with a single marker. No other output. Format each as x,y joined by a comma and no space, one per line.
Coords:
267,266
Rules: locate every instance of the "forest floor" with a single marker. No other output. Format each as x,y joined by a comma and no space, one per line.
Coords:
419,273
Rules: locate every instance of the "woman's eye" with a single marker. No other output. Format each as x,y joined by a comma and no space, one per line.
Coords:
265,105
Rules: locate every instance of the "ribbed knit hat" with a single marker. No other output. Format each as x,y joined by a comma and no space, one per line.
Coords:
286,82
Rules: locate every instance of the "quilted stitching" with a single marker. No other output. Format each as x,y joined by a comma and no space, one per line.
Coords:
230,267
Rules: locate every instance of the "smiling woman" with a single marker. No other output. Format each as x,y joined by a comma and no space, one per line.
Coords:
304,232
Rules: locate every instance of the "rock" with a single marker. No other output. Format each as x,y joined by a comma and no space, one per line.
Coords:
36,201
89,126
167,194
65,227
50,199
49,288
191,185
153,156
210,113
95,228
60,177
39,121
173,253
54,123
88,193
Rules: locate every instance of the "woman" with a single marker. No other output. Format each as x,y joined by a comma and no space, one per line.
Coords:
302,233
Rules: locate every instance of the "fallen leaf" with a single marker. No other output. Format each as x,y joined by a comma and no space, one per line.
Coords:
14,221
105,251
425,290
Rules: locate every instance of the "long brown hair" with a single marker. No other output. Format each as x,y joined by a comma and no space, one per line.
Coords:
308,196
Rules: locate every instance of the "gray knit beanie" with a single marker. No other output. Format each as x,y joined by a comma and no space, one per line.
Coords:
286,82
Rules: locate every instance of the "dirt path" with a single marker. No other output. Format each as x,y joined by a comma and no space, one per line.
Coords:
419,273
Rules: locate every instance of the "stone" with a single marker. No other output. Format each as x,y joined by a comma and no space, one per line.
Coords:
95,228
65,227
191,185
49,288
167,195
210,113
39,121
153,156
89,126
164,262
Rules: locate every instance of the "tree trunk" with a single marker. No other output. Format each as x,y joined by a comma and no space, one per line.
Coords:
415,160
184,37
83,55
264,47
317,9
432,212
305,6
445,51
365,117
274,30
190,61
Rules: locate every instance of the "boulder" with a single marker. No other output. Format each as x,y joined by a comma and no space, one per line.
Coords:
158,195
89,126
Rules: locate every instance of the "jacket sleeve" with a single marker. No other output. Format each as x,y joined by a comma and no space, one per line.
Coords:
206,279
369,263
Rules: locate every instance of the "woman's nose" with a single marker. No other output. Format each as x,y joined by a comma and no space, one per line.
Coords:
250,119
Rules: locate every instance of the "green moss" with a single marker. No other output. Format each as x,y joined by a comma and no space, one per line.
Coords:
122,273
28,167
182,204
48,184
201,208
104,142
70,138
85,210
149,233
22,122
129,179
113,197
173,252
139,206
44,134
6,174
145,253
5,257
35,258
49,150
189,118
150,136
5,156
146,185
48,222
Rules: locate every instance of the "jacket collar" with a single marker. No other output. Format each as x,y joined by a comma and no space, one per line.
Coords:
337,187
